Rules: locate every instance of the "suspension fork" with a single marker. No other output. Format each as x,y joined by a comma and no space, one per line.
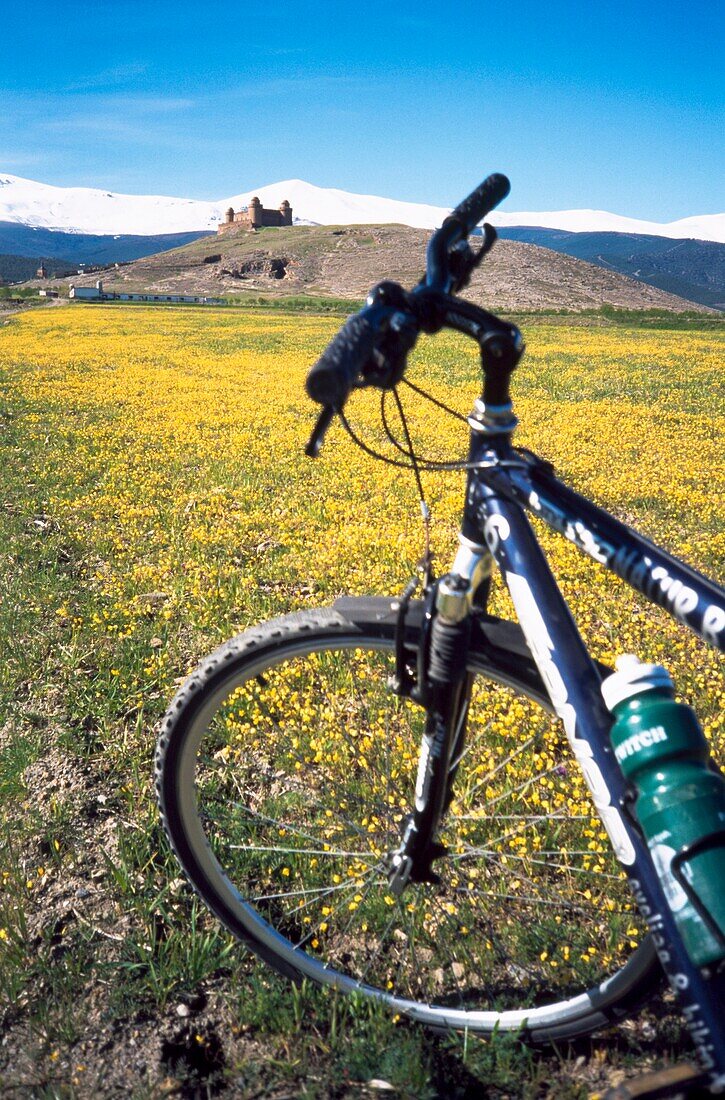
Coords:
444,689
471,571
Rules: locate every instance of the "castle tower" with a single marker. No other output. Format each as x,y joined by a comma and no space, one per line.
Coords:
41,273
286,212
255,213
229,216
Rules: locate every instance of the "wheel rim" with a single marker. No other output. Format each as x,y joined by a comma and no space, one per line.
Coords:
292,788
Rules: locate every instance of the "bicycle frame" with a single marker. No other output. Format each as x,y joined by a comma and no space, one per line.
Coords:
502,485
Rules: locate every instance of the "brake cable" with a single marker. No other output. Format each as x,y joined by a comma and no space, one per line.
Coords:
426,562
434,400
429,464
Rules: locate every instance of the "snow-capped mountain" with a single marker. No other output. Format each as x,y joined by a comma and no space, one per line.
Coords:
701,227
88,210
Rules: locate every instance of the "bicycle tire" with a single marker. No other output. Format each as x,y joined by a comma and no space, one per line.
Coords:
279,821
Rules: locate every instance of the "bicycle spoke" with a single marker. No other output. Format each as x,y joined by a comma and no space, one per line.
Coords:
501,765
297,851
302,816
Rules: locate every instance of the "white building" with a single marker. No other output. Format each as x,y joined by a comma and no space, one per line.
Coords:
98,294
85,293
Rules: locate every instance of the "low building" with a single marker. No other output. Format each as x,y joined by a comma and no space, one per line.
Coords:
85,293
98,294
256,216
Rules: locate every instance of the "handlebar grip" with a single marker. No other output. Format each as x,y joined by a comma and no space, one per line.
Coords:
335,372
488,194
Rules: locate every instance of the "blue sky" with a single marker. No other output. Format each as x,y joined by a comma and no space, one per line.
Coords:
612,105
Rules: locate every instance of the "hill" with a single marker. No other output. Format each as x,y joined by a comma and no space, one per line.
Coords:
15,269
692,269
346,261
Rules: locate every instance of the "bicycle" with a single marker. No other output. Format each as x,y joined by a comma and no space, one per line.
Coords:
370,795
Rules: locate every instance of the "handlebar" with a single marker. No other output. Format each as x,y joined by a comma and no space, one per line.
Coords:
448,248
374,343
332,377
480,202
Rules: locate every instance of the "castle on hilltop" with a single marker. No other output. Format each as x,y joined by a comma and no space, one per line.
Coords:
255,216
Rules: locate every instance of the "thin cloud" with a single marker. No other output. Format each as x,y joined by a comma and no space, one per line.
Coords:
149,104
291,85
22,160
112,127
108,78
279,51
24,104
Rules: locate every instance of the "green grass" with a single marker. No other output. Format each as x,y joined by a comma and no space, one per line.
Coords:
18,292
298,303
630,318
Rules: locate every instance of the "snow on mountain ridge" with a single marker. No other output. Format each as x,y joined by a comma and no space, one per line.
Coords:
329,206
91,210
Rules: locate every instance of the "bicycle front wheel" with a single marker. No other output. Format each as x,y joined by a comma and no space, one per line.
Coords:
285,769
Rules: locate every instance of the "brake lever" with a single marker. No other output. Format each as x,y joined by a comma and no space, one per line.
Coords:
386,365
317,437
490,236
468,260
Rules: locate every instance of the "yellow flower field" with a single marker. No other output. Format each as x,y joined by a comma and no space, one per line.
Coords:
177,441
161,455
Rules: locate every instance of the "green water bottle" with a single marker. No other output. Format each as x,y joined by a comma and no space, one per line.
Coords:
680,801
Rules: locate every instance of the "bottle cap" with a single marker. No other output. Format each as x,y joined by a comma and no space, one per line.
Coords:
633,678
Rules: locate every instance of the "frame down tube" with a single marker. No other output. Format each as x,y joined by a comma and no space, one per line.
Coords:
573,684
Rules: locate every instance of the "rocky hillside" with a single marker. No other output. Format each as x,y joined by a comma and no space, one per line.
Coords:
346,261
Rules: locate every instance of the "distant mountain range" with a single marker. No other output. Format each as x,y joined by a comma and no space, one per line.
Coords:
76,224
691,269
87,248
89,210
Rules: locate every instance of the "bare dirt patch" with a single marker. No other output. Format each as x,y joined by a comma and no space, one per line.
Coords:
76,927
